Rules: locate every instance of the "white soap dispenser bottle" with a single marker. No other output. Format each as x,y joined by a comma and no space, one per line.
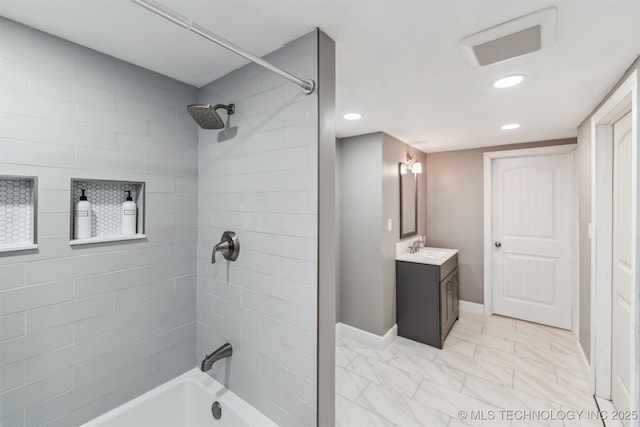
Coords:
82,223
129,209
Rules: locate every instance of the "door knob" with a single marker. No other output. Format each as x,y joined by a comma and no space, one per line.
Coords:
497,244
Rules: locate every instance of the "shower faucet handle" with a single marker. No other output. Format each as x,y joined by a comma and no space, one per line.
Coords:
229,246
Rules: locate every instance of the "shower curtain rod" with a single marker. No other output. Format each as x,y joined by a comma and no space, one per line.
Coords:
307,86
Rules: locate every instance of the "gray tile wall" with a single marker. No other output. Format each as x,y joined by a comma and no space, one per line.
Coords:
85,329
258,177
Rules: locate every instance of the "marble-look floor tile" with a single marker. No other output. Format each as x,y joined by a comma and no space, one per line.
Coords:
572,379
543,330
507,398
487,364
584,419
457,423
399,409
556,359
406,346
567,346
479,368
459,346
517,363
566,396
606,406
501,321
501,344
430,370
517,336
520,422
349,384
394,379
350,414
344,355
367,351
468,324
454,403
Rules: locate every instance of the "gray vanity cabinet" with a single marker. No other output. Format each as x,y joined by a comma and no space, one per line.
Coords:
427,300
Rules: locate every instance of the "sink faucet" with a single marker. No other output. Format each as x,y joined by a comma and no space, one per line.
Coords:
224,351
415,247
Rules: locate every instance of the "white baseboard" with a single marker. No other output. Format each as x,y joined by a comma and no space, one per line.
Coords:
471,307
367,338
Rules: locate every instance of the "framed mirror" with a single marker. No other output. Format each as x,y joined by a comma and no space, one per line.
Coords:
408,203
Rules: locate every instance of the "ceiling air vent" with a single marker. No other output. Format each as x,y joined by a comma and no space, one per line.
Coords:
511,39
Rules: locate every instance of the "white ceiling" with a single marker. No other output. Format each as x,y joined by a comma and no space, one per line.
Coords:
399,62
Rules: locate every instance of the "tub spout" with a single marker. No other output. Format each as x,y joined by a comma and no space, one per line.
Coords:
224,351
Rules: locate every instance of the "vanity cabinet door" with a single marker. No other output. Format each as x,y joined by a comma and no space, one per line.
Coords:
445,305
456,294
448,301
426,301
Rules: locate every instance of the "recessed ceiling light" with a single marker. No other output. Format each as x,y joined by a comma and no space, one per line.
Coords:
509,81
510,126
353,116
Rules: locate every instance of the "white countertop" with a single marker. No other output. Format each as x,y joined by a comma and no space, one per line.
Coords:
431,256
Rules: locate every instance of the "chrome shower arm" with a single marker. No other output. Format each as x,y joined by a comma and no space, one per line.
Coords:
231,108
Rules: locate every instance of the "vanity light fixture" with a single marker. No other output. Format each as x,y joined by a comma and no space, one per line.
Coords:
410,165
510,126
509,81
353,116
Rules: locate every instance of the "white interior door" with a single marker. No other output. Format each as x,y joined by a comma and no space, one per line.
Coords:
621,280
532,207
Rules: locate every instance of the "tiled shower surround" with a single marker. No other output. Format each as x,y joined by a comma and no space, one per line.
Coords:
258,177
84,329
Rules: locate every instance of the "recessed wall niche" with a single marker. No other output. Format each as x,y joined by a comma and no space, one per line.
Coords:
106,198
18,213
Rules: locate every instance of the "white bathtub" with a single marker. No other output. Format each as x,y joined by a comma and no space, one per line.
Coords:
184,401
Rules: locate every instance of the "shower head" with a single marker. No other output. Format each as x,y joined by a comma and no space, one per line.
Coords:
206,117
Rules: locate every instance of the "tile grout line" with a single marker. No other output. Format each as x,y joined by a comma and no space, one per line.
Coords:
367,409
417,388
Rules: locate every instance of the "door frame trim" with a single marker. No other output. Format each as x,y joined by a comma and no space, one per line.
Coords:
489,157
623,100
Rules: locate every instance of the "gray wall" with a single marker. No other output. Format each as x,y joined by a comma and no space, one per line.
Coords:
369,194
361,232
455,209
583,157
259,178
84,329
394,151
